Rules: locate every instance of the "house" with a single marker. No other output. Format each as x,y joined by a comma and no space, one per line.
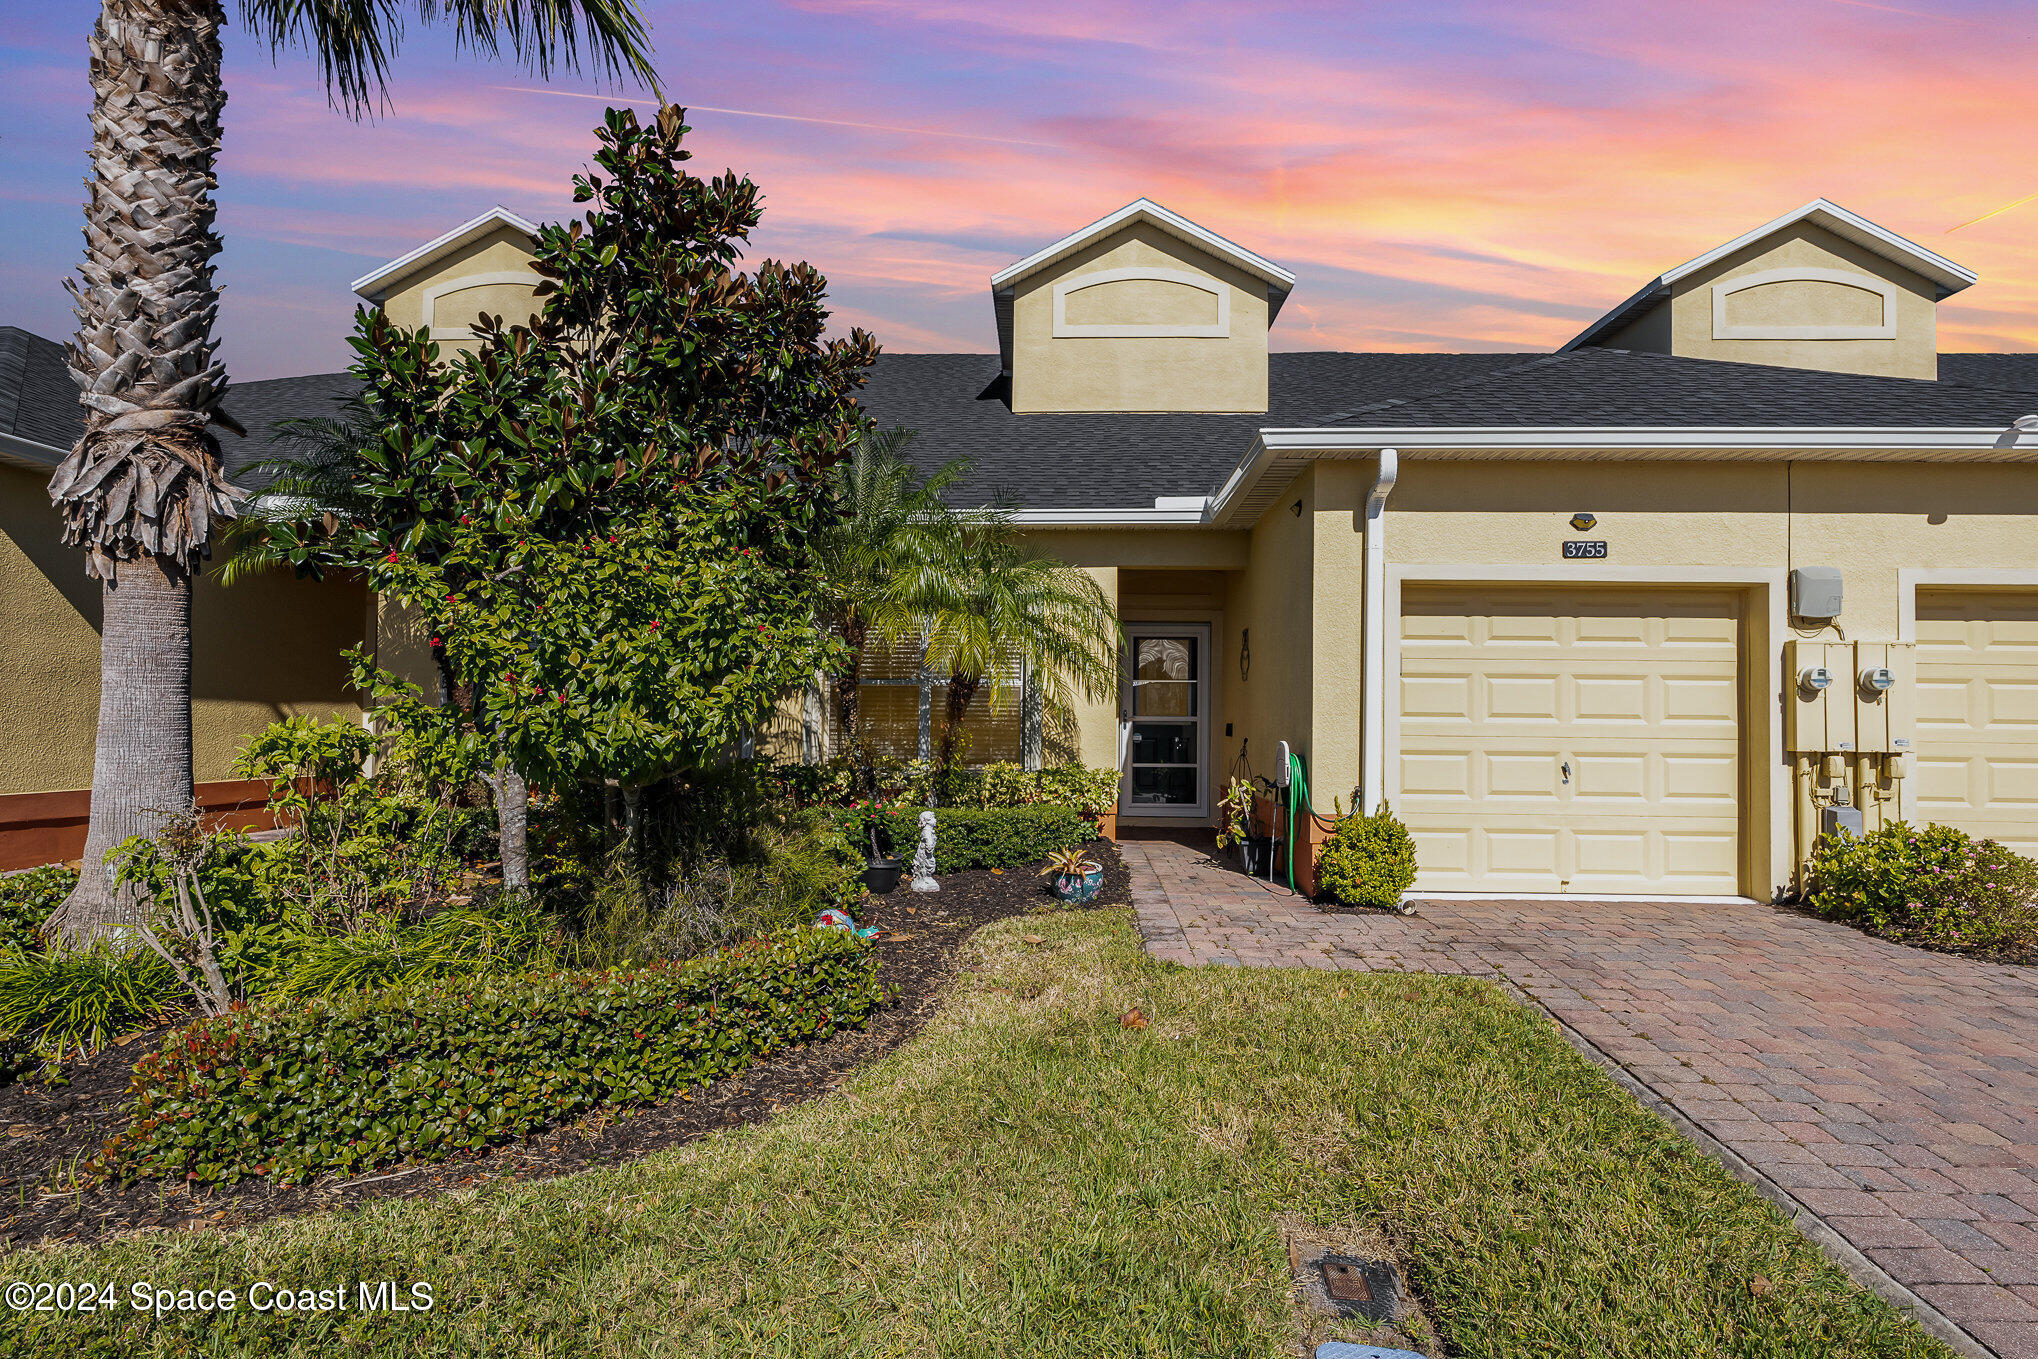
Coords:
1637,617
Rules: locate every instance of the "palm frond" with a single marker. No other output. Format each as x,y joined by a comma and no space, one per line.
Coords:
354,40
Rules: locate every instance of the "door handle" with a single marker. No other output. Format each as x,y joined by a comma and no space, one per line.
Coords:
1567,771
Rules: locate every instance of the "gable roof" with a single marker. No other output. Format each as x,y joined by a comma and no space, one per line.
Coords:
1618,388
1946,276
374,285
40,417
1278,280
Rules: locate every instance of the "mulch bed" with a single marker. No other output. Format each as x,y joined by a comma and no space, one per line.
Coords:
49,1128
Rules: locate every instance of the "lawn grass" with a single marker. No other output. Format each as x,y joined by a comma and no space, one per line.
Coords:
1031,1177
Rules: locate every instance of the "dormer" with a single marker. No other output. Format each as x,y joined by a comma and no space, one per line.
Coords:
1142,310
482,265
1817,288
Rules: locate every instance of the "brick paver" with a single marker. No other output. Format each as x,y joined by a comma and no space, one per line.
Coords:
1891,1091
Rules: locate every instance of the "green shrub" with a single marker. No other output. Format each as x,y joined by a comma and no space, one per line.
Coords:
56,1004
295,1090
1368,861
985,837
27,899
1089,792
1936,886
464,942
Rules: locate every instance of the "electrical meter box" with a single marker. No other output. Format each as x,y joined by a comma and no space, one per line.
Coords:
1884,684
1815,592
1818,709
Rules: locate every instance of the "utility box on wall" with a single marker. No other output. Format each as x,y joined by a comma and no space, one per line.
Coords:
1818,714
1884,684
1815,592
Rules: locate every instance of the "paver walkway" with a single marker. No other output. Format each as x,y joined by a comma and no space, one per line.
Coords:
1892,1092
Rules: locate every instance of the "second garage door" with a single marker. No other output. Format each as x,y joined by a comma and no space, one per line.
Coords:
1572,740
1978,714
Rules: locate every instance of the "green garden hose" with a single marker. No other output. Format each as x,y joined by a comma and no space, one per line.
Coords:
1298,790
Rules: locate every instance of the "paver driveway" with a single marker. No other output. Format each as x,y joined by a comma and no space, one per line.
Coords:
1890,1091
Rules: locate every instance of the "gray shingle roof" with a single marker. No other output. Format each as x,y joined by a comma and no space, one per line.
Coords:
1991,370
956,404
1585,387
37,400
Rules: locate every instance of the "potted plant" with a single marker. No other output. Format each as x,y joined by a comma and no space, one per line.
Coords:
1235,829
1076,878
881,871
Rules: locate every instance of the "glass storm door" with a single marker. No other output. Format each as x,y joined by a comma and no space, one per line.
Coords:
1166,714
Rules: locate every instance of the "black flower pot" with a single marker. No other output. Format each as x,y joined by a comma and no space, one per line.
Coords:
881,876
1253,851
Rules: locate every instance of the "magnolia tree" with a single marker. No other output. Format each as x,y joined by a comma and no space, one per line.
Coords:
608,519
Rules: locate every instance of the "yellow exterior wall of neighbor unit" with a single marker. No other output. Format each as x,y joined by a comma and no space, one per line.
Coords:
264,650
1684,324
503,251
1139,373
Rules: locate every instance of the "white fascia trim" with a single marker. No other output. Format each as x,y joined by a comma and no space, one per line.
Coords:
1792,437
1154,518
29,454
1257,265
474,226
1942,271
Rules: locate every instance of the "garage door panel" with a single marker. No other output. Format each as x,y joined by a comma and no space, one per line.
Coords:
1977,765
1636,690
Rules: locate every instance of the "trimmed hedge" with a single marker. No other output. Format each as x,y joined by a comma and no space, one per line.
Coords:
1090,792
427,1072
987,837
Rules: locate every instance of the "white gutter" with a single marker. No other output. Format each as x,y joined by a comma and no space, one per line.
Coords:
30,455
1272,446
1788,437
1373,642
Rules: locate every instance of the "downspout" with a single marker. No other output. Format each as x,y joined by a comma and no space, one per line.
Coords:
1373,645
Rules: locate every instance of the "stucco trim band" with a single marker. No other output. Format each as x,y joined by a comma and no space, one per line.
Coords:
1064,329
1723,329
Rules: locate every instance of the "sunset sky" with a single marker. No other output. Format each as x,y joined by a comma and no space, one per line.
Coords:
1441,175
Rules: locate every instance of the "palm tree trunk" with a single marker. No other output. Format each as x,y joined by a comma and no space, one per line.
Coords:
961,689
142,489
141,769
848,681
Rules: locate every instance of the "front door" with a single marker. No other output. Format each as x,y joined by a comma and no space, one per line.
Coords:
1165,719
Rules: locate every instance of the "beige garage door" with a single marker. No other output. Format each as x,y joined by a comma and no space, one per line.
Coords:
1572,740
1978,714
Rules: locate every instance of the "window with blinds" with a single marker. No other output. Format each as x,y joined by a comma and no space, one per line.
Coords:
902,713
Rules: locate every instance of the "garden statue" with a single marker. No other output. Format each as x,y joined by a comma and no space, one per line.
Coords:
923,857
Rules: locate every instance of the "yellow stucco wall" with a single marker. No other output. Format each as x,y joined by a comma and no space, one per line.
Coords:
1297,581
502,251
1139,373
264,650
1684,324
